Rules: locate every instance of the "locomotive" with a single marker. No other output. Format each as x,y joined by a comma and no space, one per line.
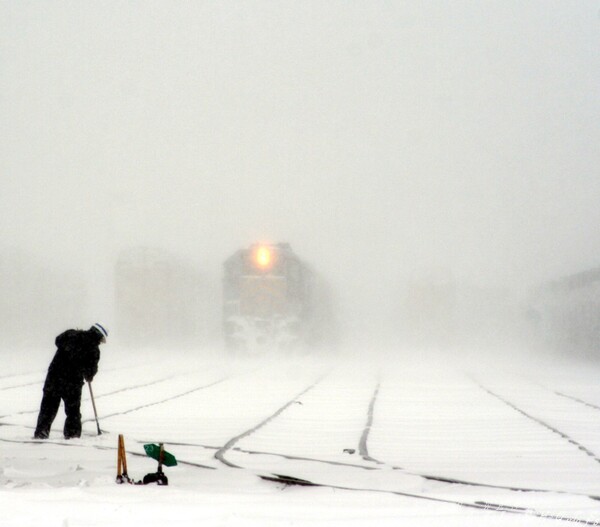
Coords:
271,300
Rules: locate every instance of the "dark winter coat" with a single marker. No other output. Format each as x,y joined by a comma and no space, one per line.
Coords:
76,360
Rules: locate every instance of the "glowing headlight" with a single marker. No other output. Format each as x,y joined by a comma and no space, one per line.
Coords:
263,257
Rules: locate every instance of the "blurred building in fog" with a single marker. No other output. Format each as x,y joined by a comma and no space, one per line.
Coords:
429,311
438,311
36,300
159,299
565,313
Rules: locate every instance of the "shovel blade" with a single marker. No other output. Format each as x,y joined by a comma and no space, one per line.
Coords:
155,477
153,451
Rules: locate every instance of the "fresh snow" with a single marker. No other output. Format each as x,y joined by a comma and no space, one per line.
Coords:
423,443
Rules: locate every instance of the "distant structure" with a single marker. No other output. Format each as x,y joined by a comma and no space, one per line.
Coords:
430,312
36,299
159,299
437,311
272,300
565,313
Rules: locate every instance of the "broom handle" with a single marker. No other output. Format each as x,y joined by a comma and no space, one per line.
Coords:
123,454
94,407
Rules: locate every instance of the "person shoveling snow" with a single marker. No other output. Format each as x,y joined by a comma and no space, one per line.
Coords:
76,360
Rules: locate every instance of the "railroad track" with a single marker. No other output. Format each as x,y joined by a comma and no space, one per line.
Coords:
290,479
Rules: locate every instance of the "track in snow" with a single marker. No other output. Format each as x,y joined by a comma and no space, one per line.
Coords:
220,454
363,449
541,422
578,400
75,444
288,479
164,400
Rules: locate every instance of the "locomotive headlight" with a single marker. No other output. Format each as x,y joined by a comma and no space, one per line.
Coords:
263,257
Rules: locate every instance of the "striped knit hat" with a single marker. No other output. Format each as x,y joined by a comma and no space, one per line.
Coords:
100,329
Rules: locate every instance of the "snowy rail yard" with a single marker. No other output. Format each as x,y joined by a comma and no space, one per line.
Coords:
405,191
431,444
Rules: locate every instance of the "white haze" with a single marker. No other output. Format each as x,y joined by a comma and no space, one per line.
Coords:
387,142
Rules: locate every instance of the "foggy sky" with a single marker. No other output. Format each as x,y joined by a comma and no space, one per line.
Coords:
381,139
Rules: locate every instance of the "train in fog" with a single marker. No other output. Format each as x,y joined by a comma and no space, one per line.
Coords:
565,313
159,299
273,300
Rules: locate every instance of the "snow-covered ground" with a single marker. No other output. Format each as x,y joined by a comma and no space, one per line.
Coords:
383,443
